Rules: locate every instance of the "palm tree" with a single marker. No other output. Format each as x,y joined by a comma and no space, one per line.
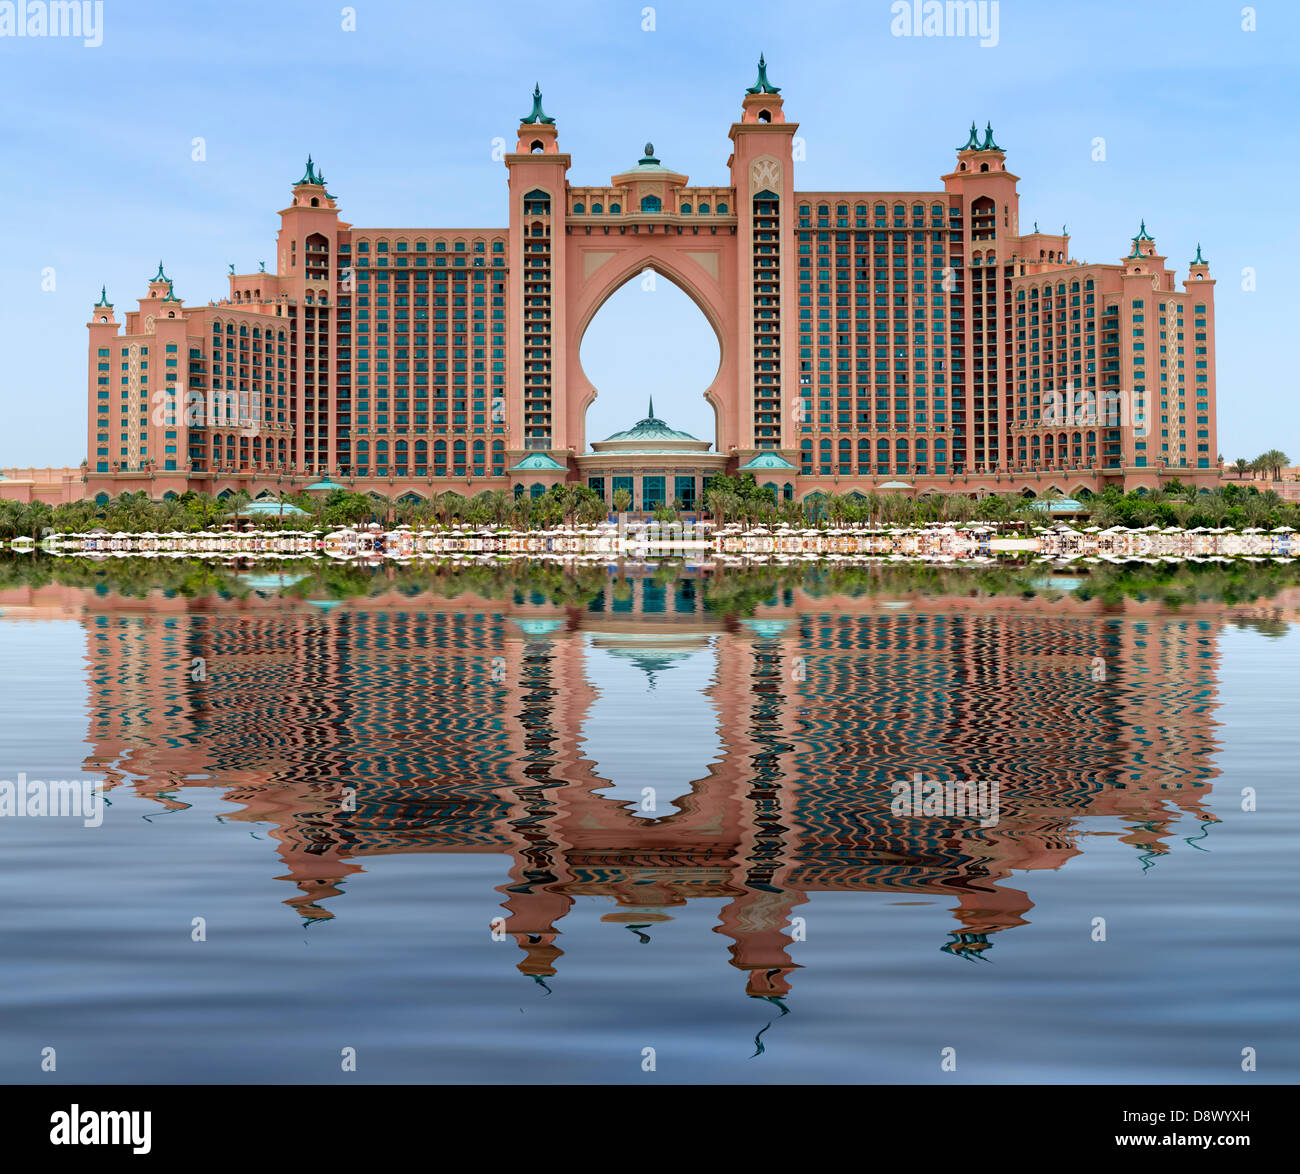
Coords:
239,501
1273,461
622,501
499,503
1242,466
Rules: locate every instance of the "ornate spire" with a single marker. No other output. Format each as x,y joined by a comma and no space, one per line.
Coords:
972,143
310,176
537,114
989,144
171,293
650,415
160,275
1199,260
762,86
1143,235
107,305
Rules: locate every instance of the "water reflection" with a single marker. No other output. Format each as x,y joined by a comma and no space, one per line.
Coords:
660,740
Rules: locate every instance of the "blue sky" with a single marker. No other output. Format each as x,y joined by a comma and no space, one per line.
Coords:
97,181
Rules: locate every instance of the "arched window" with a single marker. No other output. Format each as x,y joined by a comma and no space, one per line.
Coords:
651,204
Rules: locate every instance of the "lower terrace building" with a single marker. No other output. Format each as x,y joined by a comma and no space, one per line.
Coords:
865,338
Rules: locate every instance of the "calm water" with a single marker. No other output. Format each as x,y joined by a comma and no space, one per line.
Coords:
675,794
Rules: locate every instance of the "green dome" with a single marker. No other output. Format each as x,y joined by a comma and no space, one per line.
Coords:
766,460
651,428
537,460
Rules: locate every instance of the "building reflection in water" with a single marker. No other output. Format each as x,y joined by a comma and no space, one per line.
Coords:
395,723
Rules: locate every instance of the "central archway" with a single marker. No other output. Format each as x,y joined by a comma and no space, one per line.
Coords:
702,268
650,339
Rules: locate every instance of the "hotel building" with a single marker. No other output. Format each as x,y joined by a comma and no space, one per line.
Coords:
866,339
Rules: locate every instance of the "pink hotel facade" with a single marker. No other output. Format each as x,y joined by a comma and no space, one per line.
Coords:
865,337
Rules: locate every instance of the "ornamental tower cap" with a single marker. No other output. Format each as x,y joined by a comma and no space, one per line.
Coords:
105,304
763,101
537,114
762,85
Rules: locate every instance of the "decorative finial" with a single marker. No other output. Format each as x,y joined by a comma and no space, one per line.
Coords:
537,114
103,297
232,269
1143,235
972,143
1035,225
652,408
263,265
1199,259
160,275
989,144
310,176
762,86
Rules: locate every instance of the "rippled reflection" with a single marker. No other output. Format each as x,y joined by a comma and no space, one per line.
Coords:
650,745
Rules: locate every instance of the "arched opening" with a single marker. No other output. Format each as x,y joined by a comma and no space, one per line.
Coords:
535,146
765,115
650,339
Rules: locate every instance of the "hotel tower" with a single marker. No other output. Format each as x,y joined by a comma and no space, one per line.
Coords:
868,339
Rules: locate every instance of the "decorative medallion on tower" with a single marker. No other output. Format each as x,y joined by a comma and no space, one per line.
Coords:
765,173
